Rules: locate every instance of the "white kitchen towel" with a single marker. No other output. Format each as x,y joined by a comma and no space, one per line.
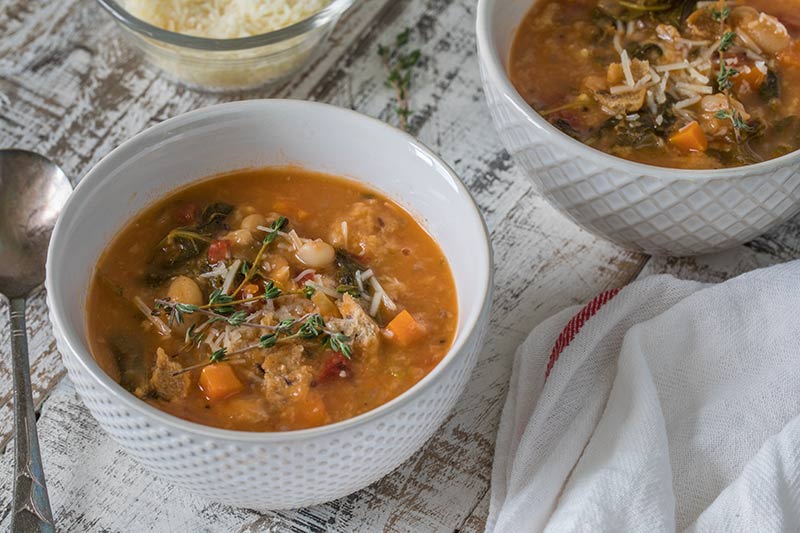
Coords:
670,405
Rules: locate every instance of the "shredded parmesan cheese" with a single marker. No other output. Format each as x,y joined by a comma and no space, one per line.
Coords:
622,89
626,67
618,42
672,66
689,42
694,88
217,271
303,274
296,241
162,328
376,302
748,42
227,285
223,19
693,72
344,233
390,305
687,102
359,282
321,288
651,102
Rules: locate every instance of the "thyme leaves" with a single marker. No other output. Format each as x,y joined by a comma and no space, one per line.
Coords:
726,73
271,235
399,65
309,327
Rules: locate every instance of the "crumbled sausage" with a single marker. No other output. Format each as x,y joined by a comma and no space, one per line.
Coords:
164,383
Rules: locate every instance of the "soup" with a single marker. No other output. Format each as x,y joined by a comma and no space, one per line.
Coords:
271,300
672,83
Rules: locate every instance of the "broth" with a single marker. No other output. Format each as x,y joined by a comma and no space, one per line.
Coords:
671,83
270,300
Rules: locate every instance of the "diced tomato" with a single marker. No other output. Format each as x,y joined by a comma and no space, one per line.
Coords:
306,277
187,213
333,367
218,250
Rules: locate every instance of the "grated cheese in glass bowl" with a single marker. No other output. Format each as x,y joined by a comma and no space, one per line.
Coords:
227,45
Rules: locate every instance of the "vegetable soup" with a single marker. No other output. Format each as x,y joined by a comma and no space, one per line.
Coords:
271,300
673,83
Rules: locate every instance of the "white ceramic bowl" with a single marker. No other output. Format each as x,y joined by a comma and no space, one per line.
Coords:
269,470
642,207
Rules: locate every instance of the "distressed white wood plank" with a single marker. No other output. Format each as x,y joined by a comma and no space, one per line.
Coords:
476,522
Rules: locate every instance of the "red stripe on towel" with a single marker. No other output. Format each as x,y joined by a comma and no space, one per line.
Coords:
576,323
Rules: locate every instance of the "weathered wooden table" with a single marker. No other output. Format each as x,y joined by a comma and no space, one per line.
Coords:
70,89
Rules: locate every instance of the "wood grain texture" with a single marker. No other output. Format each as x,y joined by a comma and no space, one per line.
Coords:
71,90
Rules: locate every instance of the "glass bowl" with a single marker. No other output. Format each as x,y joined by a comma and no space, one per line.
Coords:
230,64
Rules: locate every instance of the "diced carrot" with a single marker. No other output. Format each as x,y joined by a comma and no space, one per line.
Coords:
326,307
404,329
790,56
752,76
690,138
218,251
219,381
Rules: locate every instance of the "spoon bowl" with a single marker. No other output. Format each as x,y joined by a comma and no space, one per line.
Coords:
32,192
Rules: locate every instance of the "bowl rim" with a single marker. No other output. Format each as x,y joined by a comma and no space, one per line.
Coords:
154,135
329,13
491,61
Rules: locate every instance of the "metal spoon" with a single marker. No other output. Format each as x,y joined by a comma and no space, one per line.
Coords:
32,192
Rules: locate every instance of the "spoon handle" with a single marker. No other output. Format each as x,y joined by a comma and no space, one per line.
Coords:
31,504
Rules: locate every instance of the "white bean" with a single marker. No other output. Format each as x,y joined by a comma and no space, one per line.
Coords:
241,237
316,254
185,290
766,31
252,222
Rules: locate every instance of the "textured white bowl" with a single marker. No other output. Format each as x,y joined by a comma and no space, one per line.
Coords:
641,207
269,470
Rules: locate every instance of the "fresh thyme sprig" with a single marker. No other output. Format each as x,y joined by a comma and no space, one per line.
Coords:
221,304
726,73
217,356
312,326
736,119
399,66
271,235
721,15
309,291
